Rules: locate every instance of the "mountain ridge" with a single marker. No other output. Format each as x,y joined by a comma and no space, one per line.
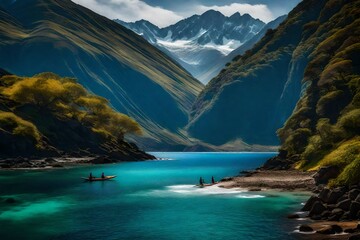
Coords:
198,41
108,59
273,63
224,60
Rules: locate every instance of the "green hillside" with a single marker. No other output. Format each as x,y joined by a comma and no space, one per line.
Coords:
254,95
324,129
109,60
310,63
46,115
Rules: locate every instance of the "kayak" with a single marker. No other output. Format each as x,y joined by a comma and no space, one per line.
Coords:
94,179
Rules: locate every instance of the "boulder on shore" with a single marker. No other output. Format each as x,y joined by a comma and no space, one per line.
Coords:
334,195
339,204
336,214
308,205
354,193
306,228
330,229
344,205
354,209
317,209
323,195
326,173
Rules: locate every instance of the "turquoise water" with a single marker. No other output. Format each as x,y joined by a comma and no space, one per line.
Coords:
148,200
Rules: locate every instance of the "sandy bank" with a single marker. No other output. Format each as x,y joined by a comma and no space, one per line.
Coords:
283,180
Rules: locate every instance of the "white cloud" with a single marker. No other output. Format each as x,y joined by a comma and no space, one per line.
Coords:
260,11
131,10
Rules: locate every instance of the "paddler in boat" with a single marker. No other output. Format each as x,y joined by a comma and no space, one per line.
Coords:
90,176
102,176
212,180
201,181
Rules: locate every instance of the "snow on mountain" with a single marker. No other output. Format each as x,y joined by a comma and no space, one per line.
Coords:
198,41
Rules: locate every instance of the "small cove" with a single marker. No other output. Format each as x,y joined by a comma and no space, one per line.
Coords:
147,200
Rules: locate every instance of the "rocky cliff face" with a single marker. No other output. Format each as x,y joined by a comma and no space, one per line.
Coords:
257,92
108,59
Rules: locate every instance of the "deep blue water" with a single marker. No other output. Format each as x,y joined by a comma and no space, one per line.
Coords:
147,200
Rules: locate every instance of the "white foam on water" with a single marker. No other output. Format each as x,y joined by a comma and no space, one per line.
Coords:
305,233
164,159
250,196
188,190
194,190
340,234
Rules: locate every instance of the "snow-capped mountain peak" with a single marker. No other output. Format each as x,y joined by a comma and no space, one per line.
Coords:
210,30
199,40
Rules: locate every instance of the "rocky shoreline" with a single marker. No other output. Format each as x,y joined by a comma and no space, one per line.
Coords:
329,213
73,159
328,230
334,211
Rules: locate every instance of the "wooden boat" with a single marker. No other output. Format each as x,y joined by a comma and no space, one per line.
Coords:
94,179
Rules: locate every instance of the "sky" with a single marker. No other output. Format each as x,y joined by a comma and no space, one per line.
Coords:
166,12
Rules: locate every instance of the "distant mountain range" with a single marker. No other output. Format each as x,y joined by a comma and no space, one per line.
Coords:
201,42
311,56
109,60
255,94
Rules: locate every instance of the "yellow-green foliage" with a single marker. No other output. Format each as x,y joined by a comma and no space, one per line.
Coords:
350,175
343,155
103,119
333,69
18,126
327,136
347,157
68,99
38,91
350,122
9,80
333,95
327,100
312,150
298,140
354,84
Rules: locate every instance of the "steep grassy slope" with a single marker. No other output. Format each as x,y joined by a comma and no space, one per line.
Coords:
109,60
46,115
221,62
324,129
257,92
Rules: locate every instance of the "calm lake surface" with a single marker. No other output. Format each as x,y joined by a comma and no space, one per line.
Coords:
147,200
